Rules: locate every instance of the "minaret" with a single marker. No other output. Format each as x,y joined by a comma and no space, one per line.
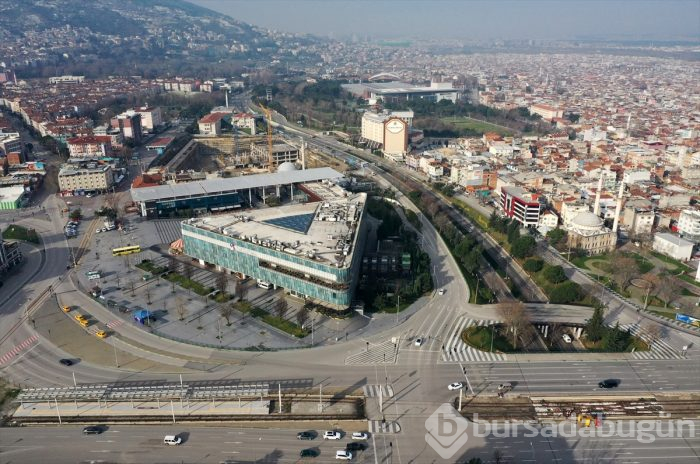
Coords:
596,205
618,207
303,154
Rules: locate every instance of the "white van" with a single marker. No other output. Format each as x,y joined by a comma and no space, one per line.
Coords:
263,284
172,440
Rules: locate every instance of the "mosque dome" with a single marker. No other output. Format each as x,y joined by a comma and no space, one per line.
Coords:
286,167
587,221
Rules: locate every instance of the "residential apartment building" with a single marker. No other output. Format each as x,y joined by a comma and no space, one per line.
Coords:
210,124
524,207
689,225
85,176
10,142
93,146
151,117
129,124
673,246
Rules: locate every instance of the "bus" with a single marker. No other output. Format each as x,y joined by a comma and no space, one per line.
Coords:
127,250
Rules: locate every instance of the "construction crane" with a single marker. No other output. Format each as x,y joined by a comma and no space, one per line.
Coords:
268,117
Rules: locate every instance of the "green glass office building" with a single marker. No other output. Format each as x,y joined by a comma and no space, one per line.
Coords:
312,250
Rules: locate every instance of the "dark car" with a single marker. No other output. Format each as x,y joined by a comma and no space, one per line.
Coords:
306,435
92,430
308,453
356,446
66,362
609,383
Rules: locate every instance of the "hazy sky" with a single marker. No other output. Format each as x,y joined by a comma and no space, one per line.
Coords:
472,19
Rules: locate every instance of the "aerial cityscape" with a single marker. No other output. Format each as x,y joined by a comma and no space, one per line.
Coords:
378,232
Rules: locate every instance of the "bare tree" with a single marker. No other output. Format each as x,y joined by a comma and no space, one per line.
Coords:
281,308
221,282
303,316
226,312
652,283
148,294
242,290
652,332
624,269
181,308
669,288
187,270
173,264
514,318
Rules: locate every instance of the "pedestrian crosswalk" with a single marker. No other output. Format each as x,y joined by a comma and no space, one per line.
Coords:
372,391
659,349
455,350
114,323
9,356
380,353
377,426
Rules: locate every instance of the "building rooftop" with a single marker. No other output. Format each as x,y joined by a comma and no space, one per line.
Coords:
233,183
323,231
11,193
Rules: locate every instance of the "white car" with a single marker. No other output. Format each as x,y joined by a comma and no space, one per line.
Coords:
343,455
566,338
455,386
172,440
331,435
418,342
441,291
98,231
360,436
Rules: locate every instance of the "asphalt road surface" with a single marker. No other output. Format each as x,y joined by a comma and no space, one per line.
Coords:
138,444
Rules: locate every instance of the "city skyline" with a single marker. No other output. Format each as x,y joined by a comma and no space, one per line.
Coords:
493,20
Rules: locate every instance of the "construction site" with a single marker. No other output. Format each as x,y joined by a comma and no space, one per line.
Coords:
238,153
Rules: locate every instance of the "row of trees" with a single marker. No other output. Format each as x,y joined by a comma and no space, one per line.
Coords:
466,250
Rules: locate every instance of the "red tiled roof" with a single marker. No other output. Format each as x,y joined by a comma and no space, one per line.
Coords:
211,118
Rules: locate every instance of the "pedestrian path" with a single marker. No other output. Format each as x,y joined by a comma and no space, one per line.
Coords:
9,356
374,354
659,348
455,350
115,323
377,426
372,391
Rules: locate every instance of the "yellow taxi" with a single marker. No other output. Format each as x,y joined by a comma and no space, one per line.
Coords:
101,334
80,318
66,309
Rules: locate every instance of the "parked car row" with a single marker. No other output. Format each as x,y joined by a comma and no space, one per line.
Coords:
71,229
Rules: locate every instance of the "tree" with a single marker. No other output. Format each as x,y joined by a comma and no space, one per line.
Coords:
221,282
173,264
624,269
554,274
652,332
555,236
513,231
616,340
566,292
514,317
595,326
523,247
76,214
181,308
533,265
669,288
226,312
303,316
242,290
281,307
187,270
